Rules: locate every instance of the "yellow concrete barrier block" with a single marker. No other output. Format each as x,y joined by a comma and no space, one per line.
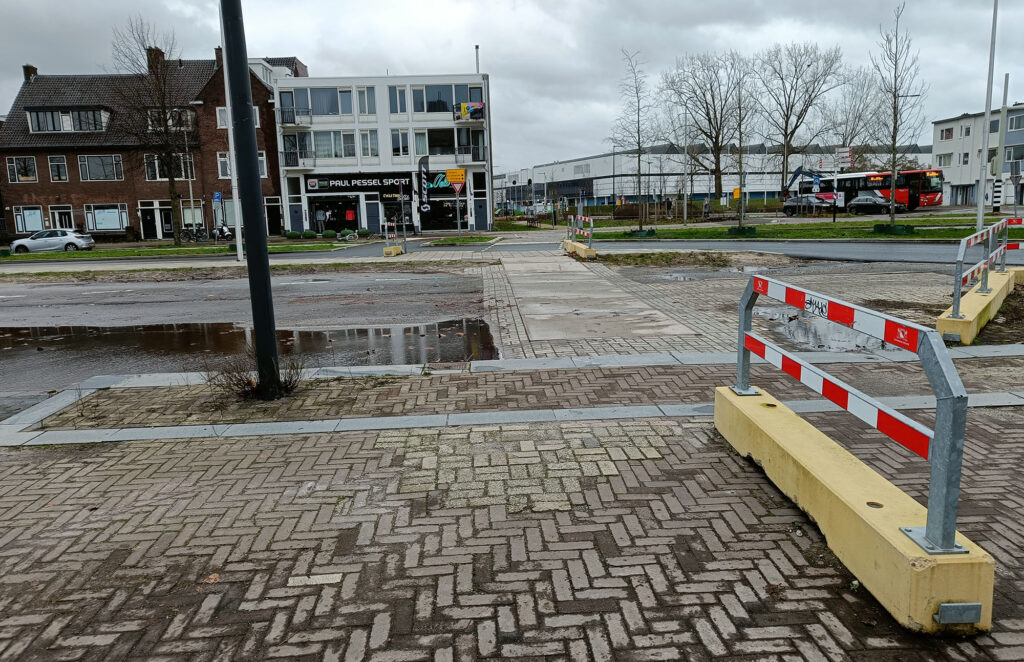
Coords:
579,249
860,513
392,251
977,308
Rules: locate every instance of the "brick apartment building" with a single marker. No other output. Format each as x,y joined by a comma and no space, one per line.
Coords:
67,164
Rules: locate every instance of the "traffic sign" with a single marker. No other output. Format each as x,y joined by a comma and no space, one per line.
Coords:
216,196
844,157
457,186
817,180
455,176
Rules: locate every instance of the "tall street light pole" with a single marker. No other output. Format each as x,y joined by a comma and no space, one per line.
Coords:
983,161
247,169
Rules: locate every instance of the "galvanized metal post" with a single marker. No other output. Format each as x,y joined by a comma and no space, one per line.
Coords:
985,289
1006,241
946,453
742,386
590,239
958,287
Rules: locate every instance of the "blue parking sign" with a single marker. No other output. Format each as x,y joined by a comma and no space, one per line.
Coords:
216,196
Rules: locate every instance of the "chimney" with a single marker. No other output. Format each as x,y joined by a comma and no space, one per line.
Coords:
154,59
218,55
29,71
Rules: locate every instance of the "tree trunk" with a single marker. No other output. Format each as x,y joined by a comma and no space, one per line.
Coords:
639,189
718,175
172,190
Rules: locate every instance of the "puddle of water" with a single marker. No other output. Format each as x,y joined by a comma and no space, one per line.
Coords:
815,333
703,275
52,357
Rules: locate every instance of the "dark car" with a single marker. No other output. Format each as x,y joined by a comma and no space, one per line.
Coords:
872,204
805,204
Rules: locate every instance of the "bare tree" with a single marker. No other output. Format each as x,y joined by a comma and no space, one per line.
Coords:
705,84
897,79
634,129
154,105
747,116
793,80
848,112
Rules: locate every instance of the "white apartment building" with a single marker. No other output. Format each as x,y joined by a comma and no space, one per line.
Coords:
957,149
356,150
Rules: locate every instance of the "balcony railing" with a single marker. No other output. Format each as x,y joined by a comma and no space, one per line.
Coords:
301,159
471,154
293,116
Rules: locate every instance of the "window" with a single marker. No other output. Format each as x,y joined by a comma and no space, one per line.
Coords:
327,144
993,126
1015,153
965,159
58,169
28,219
1015,123
224,165
41,121
156,169
441,141
946,134
348,144
399,142
461,94
21,169
324,100
944,160
476,94
107,217
967,131
44,120
419,104
369,142
346,101
439,98
367,101
421,143
175,118
396,100
100,168
222,117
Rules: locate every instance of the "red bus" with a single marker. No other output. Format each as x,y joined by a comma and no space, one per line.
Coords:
914,188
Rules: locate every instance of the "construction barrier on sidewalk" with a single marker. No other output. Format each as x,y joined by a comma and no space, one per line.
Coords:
972,311
575,228
391,246
891,549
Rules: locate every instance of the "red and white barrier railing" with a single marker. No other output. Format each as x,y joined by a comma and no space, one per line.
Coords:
576,228
995,251
942,447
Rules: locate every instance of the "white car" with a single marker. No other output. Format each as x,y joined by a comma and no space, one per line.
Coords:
54,240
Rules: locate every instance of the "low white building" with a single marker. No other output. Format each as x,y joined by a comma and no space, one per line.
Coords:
359,150
667,172
957,147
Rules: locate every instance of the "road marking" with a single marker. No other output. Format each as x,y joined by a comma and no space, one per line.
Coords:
107,291
11,296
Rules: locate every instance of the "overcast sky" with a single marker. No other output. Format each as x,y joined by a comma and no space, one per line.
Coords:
554,64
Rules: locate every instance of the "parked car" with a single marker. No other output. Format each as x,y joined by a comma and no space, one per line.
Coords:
802,204
872,204
54,240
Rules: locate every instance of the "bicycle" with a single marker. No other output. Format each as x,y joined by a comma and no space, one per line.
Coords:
194,235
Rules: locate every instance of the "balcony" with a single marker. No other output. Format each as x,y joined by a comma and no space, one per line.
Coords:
468,154
303,159
294,116
469,113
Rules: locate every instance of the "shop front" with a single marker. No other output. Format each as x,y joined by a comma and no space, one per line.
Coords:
353,201
443,206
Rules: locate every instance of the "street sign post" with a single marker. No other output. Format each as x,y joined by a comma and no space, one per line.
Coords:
457,179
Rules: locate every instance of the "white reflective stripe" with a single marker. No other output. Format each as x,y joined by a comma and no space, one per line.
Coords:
776,291
811,379
873,325
863,410
773,355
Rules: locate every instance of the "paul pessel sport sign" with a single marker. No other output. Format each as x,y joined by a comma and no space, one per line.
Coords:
384,182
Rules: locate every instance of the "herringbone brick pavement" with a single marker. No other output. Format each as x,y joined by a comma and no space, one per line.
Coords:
630,540
500,391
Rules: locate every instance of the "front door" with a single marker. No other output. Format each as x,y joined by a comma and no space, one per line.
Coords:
62,219
167,221
148,223
373,217
295,217
480,213
273,220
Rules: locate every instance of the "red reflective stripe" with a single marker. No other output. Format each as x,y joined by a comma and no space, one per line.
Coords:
795,298
1013,247
760,285
900,335
1014,221
791,367
840,313
755,346
835,393
903,434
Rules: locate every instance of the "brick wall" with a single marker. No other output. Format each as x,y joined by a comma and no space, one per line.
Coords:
134,187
